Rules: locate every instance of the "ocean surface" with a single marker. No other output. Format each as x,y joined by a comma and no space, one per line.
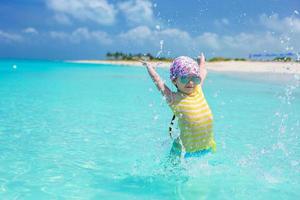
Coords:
84,131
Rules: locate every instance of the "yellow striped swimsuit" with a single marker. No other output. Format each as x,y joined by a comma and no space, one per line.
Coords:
195,121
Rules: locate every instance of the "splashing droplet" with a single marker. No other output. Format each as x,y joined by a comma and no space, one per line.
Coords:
294,163
161,48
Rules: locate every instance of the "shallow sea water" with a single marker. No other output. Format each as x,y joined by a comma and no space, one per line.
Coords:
83,131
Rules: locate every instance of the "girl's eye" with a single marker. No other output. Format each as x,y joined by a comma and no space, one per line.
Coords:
184,80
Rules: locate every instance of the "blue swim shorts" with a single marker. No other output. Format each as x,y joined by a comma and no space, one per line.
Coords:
197,154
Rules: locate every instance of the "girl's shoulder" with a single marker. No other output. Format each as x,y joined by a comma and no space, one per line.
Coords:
199,90
175,98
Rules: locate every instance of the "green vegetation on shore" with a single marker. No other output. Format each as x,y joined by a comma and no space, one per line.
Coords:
283,59
135,57
222,59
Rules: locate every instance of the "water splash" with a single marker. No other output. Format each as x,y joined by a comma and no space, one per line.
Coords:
290,89
161,48
297,57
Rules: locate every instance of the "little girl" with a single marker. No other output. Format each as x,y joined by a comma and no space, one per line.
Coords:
188,104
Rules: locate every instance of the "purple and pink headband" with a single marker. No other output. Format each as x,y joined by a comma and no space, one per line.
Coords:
184,66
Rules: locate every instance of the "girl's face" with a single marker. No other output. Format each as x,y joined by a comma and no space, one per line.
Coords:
187,84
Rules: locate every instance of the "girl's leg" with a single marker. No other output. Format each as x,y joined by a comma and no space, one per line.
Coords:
175,152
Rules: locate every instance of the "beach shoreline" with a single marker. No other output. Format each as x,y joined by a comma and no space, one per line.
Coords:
226,67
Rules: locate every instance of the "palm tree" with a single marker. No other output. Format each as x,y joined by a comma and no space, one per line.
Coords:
108,55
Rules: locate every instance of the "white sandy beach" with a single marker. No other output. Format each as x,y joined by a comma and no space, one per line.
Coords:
228,66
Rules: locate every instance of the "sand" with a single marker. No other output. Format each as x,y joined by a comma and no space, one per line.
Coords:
229,66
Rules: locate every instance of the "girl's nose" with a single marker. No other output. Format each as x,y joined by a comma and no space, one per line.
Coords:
190,83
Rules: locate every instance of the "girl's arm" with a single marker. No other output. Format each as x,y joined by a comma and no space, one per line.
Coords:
161,86
203,71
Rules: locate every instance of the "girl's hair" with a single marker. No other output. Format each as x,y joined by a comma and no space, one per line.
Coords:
184,66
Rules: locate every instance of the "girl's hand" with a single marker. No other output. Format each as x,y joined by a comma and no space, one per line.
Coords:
203,71
144,62
202,61
148,64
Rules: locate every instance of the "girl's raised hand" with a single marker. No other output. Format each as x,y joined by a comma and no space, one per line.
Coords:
148,64
203,71
201,60
144,62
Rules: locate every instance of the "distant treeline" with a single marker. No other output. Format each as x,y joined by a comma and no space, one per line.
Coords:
139,56
124,56
219,59
282,57
148,56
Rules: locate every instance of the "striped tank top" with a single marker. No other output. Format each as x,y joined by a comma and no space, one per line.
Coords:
195,121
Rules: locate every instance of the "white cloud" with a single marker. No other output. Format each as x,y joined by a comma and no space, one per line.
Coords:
58,35
240,44
279,35
246,42
31,30
138,34
143,34
209,40
138,12
82,34
62,19
287,29
99,11
10,37
221,22
85,34
181,42
174,33
164,41
287,24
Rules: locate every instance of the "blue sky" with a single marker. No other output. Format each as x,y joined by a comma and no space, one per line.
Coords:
87,29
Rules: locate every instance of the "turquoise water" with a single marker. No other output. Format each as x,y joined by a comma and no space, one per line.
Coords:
79,131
